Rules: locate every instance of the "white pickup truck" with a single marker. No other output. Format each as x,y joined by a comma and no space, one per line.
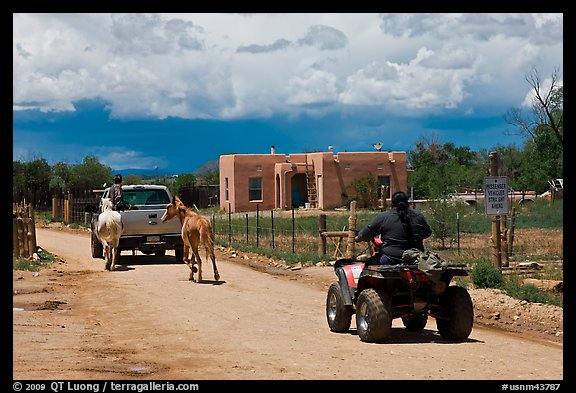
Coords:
143,228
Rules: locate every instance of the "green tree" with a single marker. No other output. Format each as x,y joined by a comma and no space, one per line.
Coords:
365,191
31,181
439,170
60,178
184,180
90,175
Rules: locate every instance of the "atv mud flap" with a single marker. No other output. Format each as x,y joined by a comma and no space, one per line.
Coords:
347,291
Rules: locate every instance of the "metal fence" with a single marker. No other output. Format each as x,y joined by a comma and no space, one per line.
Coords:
286,231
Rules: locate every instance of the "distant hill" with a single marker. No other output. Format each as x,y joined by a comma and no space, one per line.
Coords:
209,166
142,172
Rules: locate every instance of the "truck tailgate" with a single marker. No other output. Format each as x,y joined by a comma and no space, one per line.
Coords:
148,222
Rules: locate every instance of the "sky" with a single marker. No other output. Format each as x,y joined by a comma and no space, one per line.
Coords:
173,92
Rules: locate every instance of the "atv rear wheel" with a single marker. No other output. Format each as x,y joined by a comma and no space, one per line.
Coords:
415,322
373,320
456,315
338,314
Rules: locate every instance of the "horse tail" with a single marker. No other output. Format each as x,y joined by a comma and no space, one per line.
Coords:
207,237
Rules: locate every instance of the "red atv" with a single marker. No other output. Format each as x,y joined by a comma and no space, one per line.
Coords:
377,294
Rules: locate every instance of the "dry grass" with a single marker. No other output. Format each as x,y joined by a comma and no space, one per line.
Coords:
528,244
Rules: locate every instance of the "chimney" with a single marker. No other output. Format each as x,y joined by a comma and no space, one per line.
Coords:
272,150
330,149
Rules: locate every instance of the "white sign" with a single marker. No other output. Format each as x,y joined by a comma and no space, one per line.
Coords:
496,195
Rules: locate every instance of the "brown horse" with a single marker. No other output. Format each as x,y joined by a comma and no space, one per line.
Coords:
196,230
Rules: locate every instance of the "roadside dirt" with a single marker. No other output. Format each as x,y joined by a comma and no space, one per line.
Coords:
73,320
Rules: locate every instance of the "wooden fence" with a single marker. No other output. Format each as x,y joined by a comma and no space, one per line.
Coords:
23,230
72,210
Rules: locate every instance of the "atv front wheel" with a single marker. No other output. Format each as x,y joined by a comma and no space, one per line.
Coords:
373,320
338,314
456,316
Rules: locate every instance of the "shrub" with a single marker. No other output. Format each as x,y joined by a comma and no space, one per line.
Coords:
531,294
485,275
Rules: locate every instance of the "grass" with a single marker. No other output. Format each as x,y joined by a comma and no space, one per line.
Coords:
31,264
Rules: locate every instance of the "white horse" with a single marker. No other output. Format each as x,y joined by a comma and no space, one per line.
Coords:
108,230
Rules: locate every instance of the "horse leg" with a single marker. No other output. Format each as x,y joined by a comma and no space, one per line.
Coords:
107,255
114,256
186,259
191,266
195,242
213,258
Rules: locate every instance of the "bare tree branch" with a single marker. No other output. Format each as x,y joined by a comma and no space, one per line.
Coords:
545,106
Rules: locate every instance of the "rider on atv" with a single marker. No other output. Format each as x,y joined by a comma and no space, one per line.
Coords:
395,231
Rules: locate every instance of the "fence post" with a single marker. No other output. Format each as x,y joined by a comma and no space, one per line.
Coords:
31,231
56,208
229,226
293,233
350,248
214,224
68,209
246,228
15,237
257,225
458,230
511,232
22,243
504,242
322,240
272,224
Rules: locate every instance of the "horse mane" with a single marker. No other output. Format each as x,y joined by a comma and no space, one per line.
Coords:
188,211
106,204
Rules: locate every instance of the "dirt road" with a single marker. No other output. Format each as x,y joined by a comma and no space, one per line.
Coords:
147,321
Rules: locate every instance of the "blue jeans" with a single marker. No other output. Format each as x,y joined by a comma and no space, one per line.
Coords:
380,258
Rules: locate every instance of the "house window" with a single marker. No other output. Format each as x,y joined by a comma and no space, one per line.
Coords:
347,167
379,166
259,168
255,189
226,188
384,181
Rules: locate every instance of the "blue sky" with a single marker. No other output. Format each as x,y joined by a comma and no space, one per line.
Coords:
176,91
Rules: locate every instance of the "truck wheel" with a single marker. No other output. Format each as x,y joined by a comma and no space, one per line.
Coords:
339,315
373,320
179,252
456,316
96,247
415,322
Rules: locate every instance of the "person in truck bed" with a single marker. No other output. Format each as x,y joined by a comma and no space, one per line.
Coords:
116,194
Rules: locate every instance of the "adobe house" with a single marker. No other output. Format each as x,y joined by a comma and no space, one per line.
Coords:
316,180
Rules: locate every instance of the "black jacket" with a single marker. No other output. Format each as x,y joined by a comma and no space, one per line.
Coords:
394,238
